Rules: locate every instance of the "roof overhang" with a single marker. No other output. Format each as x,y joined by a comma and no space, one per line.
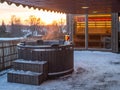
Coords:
71,6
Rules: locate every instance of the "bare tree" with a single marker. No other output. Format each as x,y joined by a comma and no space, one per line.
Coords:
2,28
3,32
54,31
34,24
16,26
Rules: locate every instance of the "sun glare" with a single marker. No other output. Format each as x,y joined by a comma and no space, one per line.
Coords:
6,11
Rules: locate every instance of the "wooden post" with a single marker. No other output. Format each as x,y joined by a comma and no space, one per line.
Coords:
69,18
86,31
115,27
3,56
8,53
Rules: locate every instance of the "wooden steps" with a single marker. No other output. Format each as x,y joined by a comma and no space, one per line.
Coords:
25,77
35,66
28,72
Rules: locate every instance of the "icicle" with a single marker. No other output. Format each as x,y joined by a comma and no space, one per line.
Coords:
9,3
17,4
24,6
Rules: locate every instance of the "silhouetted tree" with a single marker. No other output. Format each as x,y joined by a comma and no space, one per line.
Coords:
3,28
57,29
34,24
16,26
61,25
3,32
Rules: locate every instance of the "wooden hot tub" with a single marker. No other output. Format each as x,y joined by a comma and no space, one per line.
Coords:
58,56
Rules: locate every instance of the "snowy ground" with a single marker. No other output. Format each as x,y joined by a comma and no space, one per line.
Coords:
94,70
8,39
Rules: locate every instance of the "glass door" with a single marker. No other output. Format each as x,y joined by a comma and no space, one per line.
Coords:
79,31
99,32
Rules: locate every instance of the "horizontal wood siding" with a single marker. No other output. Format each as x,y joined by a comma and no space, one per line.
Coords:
59,58
8,53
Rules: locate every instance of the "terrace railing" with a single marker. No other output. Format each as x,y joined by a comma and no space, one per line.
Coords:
8,53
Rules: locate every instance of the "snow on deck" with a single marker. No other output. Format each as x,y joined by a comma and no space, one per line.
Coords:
8,39
93,70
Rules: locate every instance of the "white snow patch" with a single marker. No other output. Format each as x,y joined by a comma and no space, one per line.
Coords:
7,39
29,61
93,70
24,72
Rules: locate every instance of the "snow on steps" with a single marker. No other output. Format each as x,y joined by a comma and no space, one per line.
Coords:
35,66
25,77
28,72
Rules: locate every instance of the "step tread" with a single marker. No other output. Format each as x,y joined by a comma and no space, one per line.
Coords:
29,61
34,66
25,77
21,72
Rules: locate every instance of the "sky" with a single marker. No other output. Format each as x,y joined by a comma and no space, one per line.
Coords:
6,11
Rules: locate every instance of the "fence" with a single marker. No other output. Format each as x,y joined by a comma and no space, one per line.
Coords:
8,53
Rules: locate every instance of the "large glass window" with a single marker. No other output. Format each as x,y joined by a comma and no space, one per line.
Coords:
79,32
99,31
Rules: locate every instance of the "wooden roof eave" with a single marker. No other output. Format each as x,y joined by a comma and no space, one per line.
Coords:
71,6
31,5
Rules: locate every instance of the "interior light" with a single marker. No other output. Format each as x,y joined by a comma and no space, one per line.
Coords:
84,7
95,11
